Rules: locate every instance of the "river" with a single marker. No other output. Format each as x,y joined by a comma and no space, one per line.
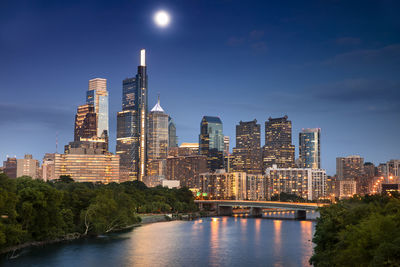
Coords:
219,241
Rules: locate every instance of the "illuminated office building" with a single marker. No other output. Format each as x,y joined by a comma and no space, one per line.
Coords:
211,142
157,144
278,149
226,145
349,168
102,168
247,153
85,122
132,123
97,96
310,148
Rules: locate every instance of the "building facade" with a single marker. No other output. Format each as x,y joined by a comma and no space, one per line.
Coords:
10,167
349,168
28,167
93,168
186,169
211,142
304,182
48,167
132,124
278,149
97,96
247,153
172,138
310,148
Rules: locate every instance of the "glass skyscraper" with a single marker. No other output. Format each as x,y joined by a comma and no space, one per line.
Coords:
172,138
211,142
97,96
132,123
310,148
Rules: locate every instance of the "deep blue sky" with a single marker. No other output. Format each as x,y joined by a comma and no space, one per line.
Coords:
328,64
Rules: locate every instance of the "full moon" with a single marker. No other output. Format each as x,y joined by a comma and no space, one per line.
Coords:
162,18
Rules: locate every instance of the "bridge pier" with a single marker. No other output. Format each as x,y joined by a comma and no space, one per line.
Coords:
300,215
224,210
256,212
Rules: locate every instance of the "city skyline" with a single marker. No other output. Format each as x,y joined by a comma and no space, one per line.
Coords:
35,114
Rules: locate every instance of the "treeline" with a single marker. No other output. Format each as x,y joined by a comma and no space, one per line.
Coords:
361,231
34,210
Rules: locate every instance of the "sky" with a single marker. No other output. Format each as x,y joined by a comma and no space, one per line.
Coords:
328,64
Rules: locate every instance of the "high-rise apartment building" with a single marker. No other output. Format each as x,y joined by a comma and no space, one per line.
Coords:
172,138
132,123
304,182
278,149
247,153
211,142
28,166
10,167
186,169
310,148
349,168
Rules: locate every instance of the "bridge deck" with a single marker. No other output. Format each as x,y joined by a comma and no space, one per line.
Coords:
262,204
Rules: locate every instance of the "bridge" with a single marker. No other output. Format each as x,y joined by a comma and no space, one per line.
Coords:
225,207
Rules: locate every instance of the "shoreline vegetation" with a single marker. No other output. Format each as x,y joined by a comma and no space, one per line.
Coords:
360,231
35,213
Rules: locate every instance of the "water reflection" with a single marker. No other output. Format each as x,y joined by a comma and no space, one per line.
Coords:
306,235
222,241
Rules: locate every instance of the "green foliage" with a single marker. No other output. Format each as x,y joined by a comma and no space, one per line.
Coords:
34,210
359,232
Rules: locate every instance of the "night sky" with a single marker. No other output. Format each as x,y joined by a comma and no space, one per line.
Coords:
328,64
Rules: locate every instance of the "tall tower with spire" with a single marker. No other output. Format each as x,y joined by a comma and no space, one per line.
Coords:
132,123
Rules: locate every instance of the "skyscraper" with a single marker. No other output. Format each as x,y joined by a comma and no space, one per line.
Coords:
97,96
132,123
85,123
310,148
247,153
349,168
211,142
172,138
157,142
278,149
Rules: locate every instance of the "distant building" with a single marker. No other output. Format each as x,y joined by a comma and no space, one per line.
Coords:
97,96
232,185
211,142
226,145
172,138
170,184
393,170
10,167
304,182
310,148
157,142
85,122
247,153
346,188
28,167
390,188
349,168
132,123
189,148
102,168
278,149
48,167
186,169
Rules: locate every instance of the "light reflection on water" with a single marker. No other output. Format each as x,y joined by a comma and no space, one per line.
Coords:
220,241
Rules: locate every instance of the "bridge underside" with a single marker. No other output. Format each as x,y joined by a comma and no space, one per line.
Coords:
227,210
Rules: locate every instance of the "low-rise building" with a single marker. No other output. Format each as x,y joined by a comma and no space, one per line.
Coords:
28,167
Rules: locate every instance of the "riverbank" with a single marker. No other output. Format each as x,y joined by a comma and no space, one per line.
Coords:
145,219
